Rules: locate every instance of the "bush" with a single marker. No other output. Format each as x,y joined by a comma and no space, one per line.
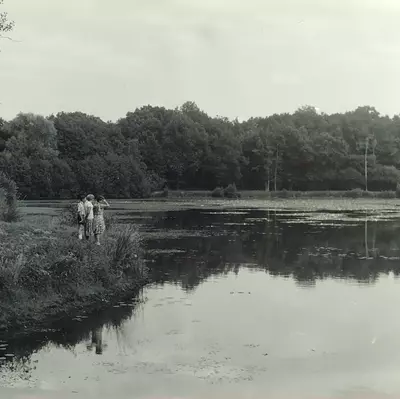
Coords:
228,192
398,190
9,211
284,194
231,191
356,193
68,215
218,192
385,194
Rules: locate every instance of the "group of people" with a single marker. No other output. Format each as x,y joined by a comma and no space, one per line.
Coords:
91,216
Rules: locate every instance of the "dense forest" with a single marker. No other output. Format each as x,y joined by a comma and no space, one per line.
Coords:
184,148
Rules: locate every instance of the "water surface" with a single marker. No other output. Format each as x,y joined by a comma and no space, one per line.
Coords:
245,303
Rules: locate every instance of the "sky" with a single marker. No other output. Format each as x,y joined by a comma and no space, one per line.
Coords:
235,58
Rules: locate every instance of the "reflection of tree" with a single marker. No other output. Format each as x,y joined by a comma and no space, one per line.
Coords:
303,251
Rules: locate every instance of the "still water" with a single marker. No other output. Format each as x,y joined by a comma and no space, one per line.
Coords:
245,303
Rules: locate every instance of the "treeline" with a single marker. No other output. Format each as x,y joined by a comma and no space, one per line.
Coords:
184,148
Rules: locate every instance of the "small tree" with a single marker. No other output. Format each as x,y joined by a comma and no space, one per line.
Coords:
9,203
5,24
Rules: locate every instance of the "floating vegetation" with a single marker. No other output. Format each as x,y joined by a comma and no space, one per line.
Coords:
165,251
226,213
258,219
169,233
237,224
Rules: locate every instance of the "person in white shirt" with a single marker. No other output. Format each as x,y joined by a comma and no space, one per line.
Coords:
81,215
89,216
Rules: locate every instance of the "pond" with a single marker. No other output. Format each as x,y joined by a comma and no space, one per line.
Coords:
247,301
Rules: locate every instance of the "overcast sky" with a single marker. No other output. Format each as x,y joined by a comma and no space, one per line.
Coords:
236,58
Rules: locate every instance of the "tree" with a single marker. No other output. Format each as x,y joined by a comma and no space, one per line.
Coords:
5,134
80,135
59,156
257,147
6,25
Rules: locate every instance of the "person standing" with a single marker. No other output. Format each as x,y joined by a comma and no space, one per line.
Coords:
81,215
89,216
99,225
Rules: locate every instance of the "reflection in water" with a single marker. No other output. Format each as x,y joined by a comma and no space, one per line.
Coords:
66,334
97,340
185,248
263,241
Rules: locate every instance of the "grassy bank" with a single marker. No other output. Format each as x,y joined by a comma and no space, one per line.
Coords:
46,273
260,194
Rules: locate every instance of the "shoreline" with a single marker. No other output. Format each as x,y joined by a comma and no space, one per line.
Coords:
81,309
284,194
246,194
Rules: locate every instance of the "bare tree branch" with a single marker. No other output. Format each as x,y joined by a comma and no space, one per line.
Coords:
10,38
5,24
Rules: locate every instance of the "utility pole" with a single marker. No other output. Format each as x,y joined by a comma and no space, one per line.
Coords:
366,164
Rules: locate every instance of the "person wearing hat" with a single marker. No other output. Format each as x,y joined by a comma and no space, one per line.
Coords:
89,216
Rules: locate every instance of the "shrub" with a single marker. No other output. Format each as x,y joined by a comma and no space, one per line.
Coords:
284,194
218,192
398,190
356,193
68,215
231,191
385,194
9,211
